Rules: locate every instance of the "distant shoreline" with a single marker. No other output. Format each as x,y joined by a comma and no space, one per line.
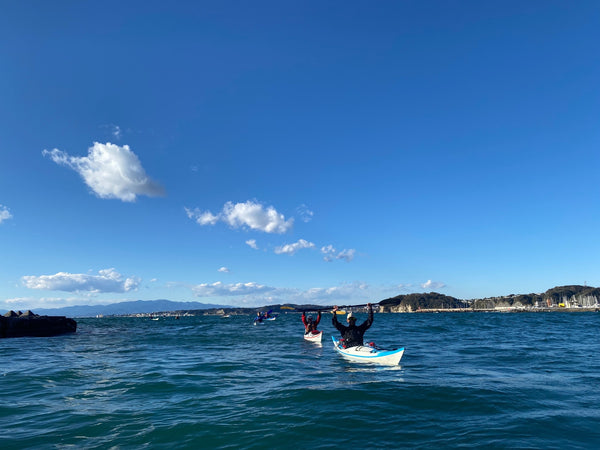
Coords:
499,310
225,312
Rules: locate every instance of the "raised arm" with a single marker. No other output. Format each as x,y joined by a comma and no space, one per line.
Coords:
367,323
335,322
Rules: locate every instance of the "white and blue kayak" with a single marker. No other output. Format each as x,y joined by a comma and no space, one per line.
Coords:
364,353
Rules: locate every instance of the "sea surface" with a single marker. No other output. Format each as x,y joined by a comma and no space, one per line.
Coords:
495,380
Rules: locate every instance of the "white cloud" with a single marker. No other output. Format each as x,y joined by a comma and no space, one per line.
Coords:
202,218
290,249
335,293
252,243
347,255
223,270
433,285
18,300
219,289
330,253
4,214
249,214
108,280
25,303
328,250
261,295
304,213
110,171
116,132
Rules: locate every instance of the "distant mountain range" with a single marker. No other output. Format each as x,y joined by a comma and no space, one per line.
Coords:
134,307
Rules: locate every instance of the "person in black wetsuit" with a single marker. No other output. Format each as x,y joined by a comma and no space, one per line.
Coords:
259,317
352,335
310,325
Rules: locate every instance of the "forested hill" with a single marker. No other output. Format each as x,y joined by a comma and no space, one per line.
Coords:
568,296
415,302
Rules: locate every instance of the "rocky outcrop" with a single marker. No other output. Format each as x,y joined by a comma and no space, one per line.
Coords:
20,324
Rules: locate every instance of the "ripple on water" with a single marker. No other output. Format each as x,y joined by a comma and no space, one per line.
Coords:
466,380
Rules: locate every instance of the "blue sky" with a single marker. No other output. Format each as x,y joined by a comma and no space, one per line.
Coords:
251,153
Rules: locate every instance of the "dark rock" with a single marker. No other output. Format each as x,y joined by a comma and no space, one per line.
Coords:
20,324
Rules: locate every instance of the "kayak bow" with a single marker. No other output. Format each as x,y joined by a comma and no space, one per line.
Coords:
313,337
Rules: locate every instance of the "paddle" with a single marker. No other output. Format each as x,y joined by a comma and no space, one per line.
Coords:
329,308
357,306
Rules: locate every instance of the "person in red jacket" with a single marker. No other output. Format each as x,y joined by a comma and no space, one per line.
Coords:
310,325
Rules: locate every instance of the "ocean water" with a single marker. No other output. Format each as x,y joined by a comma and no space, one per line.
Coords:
520,380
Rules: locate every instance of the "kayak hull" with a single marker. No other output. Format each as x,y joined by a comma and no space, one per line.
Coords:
314,337
367,354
